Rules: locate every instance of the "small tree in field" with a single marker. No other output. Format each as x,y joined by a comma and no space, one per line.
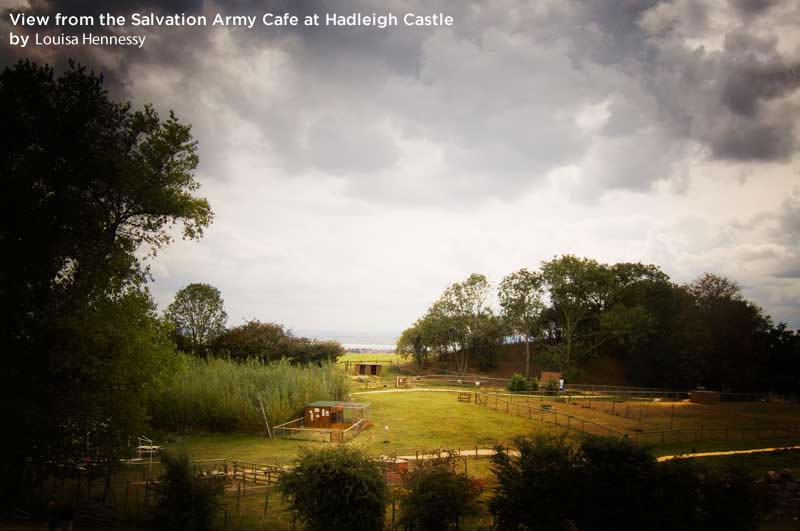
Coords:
437,496
336,488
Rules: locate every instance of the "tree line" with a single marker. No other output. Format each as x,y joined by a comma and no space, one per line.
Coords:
197,321
573,309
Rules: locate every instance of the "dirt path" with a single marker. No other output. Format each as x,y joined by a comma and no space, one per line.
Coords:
728,452
406,391
488,452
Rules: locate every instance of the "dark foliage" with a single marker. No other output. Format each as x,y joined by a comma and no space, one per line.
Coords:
336,488
437,495
86,183
303,350
253,340
612,484
187,500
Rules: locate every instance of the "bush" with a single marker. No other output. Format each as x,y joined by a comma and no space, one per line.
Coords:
336,488
519,383
186,500
612,484
222,395
437,495
303,350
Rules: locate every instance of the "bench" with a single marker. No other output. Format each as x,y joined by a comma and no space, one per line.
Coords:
464,397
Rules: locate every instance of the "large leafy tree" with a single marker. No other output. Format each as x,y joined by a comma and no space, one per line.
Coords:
336,488
87,182
736,326
520,296
254,339
468,317
592,304
579,290
199,317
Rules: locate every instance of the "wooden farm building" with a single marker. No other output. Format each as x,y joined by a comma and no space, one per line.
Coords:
710,398
368,369
548,376
333,414
327,420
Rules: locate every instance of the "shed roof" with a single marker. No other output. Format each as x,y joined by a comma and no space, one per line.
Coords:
330,403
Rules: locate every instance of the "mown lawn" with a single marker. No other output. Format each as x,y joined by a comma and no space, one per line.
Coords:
380,357
428,420
418,421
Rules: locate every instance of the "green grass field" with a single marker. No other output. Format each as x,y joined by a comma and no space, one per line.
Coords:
421,421
381,357
418,422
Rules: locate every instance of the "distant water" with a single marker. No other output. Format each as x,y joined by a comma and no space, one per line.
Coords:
368,347
377,342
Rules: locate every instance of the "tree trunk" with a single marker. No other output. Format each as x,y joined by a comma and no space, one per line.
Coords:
527,357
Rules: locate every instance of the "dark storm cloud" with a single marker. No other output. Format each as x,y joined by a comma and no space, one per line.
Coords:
495,95
753,7
748,87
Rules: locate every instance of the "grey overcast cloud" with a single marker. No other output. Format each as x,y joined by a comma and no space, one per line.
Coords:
355,172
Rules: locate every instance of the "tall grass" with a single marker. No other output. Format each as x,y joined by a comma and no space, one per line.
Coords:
223,395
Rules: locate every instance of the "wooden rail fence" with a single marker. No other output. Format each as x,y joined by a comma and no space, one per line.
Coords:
546,414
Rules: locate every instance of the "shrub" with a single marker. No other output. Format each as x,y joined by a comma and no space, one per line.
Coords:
303,350
518,383
535,490
186,500
437,495
336,488
222,395
613,484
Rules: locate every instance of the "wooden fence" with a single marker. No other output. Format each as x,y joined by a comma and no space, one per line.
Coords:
701,433
296,428
546,414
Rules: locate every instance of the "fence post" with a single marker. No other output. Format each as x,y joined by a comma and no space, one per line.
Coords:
238,494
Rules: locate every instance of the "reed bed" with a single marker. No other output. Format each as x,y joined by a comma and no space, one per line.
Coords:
220,395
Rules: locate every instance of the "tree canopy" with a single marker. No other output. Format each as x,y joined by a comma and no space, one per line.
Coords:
88,184
198,315
552,484
520,296
336,488
574,309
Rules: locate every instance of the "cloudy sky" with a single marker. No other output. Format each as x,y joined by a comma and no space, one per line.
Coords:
355,172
